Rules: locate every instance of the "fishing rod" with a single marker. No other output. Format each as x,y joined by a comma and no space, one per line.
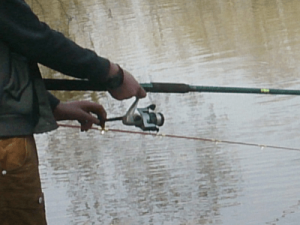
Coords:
216,141
84,85
147,120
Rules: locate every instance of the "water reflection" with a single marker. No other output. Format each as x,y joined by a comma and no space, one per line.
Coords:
131,179
154,180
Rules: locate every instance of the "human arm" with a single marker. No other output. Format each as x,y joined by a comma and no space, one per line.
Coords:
24,33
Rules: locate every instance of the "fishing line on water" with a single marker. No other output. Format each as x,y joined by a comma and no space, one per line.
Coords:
261,146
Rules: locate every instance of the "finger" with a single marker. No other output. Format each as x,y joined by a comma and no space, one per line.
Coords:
141,93
102,124
102,115
86,125
87,120
101,119
82,124
91,118
90,107
96,109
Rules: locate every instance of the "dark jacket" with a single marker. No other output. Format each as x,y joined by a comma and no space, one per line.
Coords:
25,105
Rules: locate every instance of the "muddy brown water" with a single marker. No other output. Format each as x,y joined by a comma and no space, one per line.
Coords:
120,178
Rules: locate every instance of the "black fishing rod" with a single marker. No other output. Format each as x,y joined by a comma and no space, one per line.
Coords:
148,120
84,85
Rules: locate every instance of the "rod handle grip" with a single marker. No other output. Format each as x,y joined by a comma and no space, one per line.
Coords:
166,87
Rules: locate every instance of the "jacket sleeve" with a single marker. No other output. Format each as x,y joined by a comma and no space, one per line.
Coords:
24,33
53,101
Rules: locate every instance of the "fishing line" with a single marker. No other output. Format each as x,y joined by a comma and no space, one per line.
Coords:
261,146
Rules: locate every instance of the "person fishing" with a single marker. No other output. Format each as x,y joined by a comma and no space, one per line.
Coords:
28,108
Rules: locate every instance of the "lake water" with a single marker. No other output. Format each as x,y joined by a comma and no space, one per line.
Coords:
121,178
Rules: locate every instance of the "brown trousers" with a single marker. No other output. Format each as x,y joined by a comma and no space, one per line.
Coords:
21,197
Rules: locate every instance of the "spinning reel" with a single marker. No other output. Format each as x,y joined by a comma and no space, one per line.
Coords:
146,119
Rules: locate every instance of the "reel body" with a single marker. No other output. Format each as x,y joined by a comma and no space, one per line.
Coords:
146,119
